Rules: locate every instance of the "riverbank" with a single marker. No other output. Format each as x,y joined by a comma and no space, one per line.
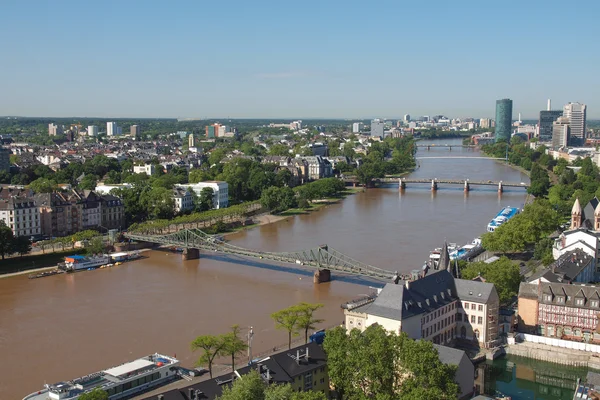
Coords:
555,355
268,218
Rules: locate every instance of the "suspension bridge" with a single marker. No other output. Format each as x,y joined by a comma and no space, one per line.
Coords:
323,258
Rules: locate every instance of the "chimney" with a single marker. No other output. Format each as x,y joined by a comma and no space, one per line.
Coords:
298,356
306,355
191,395
268,375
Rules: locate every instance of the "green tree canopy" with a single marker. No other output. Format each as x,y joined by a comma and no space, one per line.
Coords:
376,364
6,240
252,387
503,273
95,394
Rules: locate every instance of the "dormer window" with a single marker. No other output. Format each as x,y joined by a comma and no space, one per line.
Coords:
435,298
560,299
594,303
579,301
442,295
547,297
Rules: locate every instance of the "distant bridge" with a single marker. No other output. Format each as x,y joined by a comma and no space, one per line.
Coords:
434,182
460,157
323,258
448,146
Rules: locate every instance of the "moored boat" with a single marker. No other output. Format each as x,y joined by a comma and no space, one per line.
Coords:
119,382
504,215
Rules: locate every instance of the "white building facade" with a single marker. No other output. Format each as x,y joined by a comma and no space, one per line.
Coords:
21,216
147,169
220,191
92,130
112,129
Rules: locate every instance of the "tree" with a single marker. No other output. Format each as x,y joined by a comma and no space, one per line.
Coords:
382,365
252,386
279,150
6,239
95,394
211,346
307,321
95,246
503,273
205,200
234,345
21,245
42,185
287,319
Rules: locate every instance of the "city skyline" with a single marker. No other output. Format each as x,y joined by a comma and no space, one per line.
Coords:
279,61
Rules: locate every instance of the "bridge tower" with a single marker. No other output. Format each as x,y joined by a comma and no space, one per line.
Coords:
428,147
434,185
467,187
500,188
190,254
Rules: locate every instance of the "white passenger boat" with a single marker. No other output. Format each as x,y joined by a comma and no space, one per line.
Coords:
119,382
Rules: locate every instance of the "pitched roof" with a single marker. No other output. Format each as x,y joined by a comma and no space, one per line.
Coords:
474,290
571,292
449,355
528,290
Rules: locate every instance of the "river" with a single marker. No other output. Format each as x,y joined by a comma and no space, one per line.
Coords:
65,326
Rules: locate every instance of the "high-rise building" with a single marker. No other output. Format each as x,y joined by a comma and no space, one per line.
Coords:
191,141
135,130
406,117
112,129
503,119
5,159
377,128
92,130
485,123
560,133
212,131
547,118
356,127
54,129
576,113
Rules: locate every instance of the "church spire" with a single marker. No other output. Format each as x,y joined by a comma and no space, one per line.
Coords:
576,215
445,258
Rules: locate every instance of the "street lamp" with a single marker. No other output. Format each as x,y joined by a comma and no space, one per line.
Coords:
250,337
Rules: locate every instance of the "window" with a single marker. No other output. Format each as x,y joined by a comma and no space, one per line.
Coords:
466,306
595,303
480,307
579,302
472,319
480,320
560,299
547,297
459,316
473,306
322,381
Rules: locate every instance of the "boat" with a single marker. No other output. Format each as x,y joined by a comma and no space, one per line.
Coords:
467,251
434,256
80,263
504,215
46,273
122,381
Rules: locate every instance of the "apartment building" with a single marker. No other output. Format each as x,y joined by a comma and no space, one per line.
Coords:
112,212
559,310
59,216
21,215
436,307
220,191
183,198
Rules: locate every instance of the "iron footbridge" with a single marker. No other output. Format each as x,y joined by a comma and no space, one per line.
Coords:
321,257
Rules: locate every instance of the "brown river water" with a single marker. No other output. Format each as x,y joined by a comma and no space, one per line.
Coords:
64,326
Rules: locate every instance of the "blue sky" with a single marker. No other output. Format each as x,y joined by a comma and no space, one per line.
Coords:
300,59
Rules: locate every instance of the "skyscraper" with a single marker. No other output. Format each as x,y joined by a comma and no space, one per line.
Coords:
576,113
377,128
406,117
54,129
503,119
191,141
560,133
112,129
547,117
92,130
134,130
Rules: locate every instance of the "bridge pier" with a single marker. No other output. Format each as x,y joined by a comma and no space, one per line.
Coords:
190,254
428,147
401,184
467,187
500,188
322,276
434,185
